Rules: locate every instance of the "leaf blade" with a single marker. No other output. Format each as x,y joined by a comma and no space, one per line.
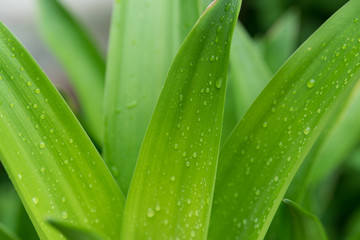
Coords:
80,58
131,94
180,149
305,224
287,112
48,156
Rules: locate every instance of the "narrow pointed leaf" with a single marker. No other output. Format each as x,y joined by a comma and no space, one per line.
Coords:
281,40
48,156
72,232
305,225
79,57
145,37
261,157
5,234
171,192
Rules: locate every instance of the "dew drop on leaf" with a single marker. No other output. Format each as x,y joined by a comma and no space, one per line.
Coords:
150,213
307,130
218,82
42,145
35,200
310,83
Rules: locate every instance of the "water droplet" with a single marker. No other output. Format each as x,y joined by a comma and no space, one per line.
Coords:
192,233
35,200
227,7
12,105
265,124
132,104
310,83
20,176
42,116
218,82
35,106
176,146
42,145
187,163
307,130
42,170
195,154
64,215
71,141
37,91
51,130
212,58
150,213
157,207
356,20
28,83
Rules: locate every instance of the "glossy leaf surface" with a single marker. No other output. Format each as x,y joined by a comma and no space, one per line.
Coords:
145,37
48,156
171,192
261,157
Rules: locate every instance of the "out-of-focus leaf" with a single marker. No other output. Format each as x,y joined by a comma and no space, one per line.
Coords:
353,227
305,225
145,36
171,192
5,234
342,139
72,232
79,57
248,73
262,155
48,156
281,40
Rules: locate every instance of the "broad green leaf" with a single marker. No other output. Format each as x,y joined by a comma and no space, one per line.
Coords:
72,232
281,40
262,155
171,192
5,234
339,137
145,37
79,57
305,225
52,163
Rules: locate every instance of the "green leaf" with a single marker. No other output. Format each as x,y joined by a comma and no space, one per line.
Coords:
281,40
305,225
262,155
342,139
353,227
49,158
171,191
72,232
143,41
248,73
79,57
5,234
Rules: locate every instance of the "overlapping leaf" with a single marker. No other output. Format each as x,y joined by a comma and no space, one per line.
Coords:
79,57
52,163
261,157
145,37
171,192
